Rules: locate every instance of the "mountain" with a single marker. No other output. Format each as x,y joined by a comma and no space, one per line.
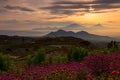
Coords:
60,33
82,34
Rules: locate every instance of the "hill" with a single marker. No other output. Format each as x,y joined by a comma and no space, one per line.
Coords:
82,34
62,40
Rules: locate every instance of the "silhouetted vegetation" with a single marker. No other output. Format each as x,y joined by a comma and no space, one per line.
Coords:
5,62
37,58
112,44
77,54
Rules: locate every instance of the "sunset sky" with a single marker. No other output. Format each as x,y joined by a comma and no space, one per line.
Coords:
39,17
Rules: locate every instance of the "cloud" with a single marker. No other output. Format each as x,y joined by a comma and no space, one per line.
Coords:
3,11
20,33
10,21
46,28
106,1
33,22
86,2
3,0
78,27
55,17
72,7
74,26
69,27
63,9
98,25
18,8
110,21
59,25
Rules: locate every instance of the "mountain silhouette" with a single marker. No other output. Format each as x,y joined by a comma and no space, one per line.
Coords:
81,34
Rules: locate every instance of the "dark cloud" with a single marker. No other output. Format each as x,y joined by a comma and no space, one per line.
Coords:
106,1
9,21
88,2
56,17
63,9
18,8
3,11
71,7
3,0
68,12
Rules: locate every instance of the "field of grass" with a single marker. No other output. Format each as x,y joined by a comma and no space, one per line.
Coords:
58,61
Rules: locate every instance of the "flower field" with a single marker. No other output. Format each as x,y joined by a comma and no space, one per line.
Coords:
92,67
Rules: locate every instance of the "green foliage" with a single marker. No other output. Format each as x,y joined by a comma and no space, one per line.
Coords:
64,59
99,51
77,54
105,50
58,59
5,62
30,59
37,58
61,59
50,59
69,55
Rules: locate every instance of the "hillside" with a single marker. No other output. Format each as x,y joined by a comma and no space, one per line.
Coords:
82,34
62,40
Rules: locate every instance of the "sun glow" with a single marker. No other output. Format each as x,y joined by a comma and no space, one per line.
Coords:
91,18
91,9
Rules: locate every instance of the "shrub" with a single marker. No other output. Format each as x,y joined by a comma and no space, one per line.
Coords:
29,59
37,58
61,59
103,51
69,55
77,54
83,52
58,60
64,59
50,59
5,62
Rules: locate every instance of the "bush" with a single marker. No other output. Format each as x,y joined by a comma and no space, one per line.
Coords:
30,59
61,59
64,59
5,62
77,54
69,55
50,59
37,58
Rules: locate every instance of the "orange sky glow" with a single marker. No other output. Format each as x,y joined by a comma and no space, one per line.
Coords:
100,17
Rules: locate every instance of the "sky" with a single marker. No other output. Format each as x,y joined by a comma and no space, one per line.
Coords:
39,17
